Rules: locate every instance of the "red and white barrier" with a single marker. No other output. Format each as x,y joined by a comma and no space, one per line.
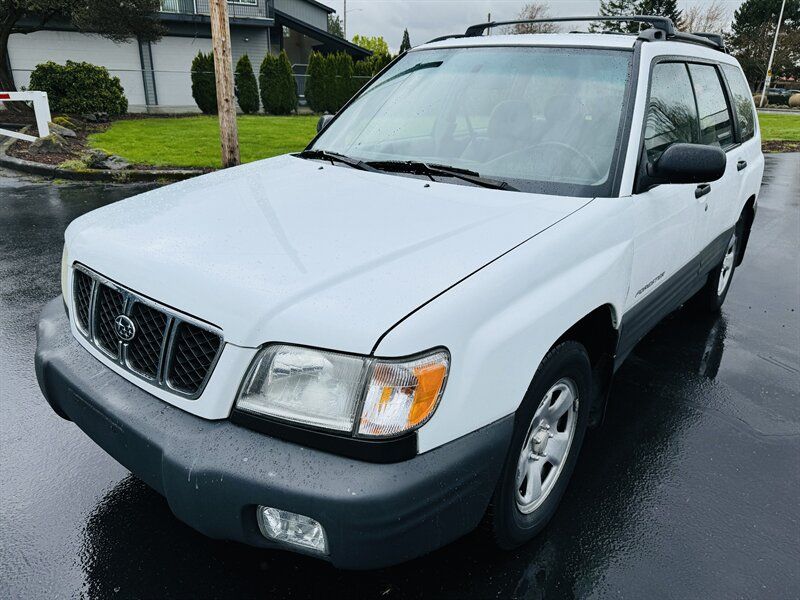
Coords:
41,110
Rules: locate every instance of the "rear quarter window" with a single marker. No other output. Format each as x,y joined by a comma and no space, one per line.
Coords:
742,100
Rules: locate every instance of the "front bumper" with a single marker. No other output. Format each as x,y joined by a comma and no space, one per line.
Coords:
214,473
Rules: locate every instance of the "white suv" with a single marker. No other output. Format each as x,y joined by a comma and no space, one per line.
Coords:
363,350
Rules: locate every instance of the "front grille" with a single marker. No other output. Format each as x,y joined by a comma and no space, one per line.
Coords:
144,350
108,304
82,294
192,355
168,349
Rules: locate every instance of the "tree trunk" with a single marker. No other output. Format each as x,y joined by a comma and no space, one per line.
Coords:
7,76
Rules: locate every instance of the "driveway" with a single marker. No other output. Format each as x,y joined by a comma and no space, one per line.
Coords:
690,489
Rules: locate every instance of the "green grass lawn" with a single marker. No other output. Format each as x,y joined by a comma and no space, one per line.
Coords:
194,141
779,127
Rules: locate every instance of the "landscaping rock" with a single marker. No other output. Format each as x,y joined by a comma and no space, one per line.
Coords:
95,158
115,163
61,130
52,144
95,117
65,122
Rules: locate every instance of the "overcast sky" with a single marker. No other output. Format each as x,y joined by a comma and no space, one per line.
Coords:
427,19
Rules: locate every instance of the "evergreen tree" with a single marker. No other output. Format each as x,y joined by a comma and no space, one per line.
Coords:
289,84
362,73
335,26
662,8
751,36
344,79
405,45
328,78
616,8
246,86
204,83
315,93
278,89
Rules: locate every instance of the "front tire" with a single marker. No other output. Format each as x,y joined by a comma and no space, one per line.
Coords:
548,432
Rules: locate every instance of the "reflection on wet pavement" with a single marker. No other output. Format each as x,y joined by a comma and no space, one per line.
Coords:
688,490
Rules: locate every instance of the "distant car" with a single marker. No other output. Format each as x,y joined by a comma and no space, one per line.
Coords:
779,95
363,350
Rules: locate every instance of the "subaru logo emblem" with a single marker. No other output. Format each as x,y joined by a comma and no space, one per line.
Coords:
125,328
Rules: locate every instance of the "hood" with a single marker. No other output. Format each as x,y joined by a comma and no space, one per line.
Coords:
301,251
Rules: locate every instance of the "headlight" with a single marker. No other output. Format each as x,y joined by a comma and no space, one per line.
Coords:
365,396
64,273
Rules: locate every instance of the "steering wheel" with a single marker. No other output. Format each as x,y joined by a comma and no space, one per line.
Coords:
525,153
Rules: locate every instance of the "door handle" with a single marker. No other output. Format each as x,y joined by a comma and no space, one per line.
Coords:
741,165
702,189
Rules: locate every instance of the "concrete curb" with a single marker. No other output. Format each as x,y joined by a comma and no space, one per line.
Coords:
123,176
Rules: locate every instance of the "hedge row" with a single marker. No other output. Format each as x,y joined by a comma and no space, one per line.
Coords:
333,79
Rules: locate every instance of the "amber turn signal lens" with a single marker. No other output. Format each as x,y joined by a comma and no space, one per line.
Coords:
402,395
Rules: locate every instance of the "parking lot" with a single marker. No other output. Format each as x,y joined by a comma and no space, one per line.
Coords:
689,489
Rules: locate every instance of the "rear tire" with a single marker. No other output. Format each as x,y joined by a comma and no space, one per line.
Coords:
548,432
712,296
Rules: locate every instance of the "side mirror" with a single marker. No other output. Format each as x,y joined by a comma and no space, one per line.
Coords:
323,122
688,163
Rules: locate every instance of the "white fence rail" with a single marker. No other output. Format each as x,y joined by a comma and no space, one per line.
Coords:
41,109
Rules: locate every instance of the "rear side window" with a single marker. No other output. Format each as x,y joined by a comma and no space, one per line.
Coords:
742,101
671,111
716,126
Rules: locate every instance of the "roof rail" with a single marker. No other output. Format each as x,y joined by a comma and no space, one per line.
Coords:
661,29
662,23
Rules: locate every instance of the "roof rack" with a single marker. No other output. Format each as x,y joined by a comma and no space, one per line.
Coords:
714,37
661,28
663,24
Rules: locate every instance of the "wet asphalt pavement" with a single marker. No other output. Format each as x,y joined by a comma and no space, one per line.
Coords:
690,489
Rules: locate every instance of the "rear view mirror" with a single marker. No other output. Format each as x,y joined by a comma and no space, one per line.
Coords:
323,122
688,163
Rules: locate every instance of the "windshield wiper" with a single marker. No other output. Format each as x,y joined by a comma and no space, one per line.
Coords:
336,157
431,170
418,67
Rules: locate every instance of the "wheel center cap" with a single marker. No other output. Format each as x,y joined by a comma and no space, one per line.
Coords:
540,441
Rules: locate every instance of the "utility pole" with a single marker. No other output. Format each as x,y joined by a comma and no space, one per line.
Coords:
344,25
771,57
223,73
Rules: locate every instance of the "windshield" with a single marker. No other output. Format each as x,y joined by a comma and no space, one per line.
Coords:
541,119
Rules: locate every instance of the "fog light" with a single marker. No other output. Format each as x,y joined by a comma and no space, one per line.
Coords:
291,528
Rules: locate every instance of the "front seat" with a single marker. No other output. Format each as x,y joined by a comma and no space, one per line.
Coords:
509,129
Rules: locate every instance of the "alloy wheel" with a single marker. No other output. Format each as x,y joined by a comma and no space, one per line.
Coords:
547,445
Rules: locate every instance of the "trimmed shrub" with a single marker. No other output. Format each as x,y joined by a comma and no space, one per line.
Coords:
204,83
330,82
246,86
343,88
278,89
315,83
794,100
362,73
79,87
